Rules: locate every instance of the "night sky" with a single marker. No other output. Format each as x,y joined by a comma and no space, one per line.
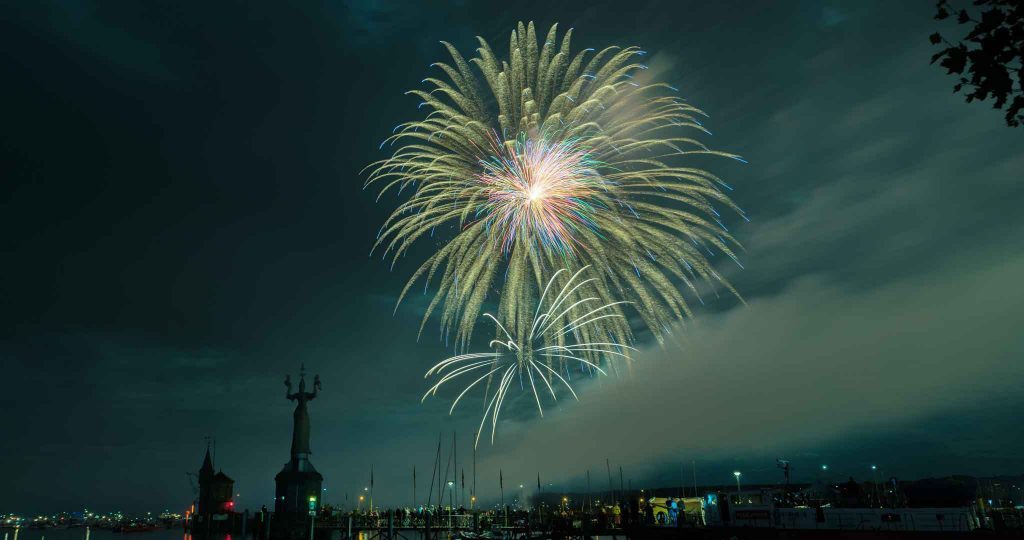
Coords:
184,223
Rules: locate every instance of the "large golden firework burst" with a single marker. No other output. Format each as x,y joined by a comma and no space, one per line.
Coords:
553,160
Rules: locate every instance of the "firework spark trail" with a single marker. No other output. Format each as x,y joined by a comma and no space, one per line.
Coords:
540,190
551,159
516,360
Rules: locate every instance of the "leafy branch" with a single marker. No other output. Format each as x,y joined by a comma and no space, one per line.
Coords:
988,60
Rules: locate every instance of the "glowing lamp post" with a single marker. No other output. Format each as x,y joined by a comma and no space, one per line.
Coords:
312,515
450,505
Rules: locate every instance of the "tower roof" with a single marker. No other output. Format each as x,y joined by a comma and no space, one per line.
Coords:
206,471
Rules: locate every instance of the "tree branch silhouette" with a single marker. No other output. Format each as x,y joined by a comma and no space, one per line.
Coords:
989,59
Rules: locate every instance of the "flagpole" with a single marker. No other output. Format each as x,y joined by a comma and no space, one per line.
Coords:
611,488
371,488
472,494
441,484
501,487
590,493
540,490
414,487
434,472
694,463
440,502
621,494
682,493
455,459
447,467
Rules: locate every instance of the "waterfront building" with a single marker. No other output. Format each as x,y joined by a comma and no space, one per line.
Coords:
215,506
215,490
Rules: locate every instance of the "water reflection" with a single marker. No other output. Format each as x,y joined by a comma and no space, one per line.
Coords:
83,533
86,533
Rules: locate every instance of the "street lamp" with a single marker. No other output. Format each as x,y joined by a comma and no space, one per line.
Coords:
737,475
312,516
450,506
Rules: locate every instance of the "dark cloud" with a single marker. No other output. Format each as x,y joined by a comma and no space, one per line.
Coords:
795,371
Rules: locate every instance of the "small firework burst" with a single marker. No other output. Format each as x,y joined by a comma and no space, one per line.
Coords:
541,353
541,191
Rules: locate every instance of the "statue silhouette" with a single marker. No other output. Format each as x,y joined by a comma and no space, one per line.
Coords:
300,432
298,486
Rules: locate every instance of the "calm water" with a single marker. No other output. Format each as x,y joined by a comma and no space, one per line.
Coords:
159,534
79,534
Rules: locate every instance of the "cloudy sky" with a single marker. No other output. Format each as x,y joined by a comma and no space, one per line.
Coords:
184,223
